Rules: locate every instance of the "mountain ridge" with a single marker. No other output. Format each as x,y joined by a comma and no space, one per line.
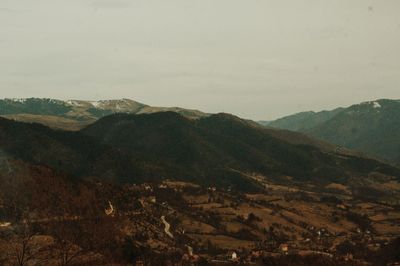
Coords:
135,148
371,127
75,114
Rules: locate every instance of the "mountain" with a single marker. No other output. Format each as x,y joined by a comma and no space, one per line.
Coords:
75,114
220,150
302,121
226,145
370,127
72,153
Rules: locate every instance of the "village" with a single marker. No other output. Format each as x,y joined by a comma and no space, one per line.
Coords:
187,224
223,227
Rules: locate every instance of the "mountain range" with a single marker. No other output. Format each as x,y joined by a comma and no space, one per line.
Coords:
75,114
220,150
370,127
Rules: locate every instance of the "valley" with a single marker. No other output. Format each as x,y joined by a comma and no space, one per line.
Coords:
160,220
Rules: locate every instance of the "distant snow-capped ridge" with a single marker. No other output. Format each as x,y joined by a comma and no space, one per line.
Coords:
374,104
101,104
86,108
122,105
20,100
24,100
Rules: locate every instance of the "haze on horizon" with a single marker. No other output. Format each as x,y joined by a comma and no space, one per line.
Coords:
258,59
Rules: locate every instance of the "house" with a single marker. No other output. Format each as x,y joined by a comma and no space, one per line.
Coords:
232,255
152,199
284,248
191,258
147,187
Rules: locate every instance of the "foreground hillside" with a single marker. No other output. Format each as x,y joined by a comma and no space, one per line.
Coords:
47,218
370,127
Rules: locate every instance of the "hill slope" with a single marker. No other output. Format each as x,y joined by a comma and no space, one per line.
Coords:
68,152
370,127
304,120
219,150
223,144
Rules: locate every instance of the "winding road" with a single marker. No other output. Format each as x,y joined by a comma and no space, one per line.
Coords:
167,227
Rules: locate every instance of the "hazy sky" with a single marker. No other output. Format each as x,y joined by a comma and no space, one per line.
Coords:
258,59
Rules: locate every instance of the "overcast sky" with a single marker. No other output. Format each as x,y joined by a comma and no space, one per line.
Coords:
259,59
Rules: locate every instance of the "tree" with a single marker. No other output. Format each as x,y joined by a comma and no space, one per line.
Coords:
23,247
68,237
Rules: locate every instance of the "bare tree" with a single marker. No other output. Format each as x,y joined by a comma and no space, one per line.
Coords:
23,247
68,237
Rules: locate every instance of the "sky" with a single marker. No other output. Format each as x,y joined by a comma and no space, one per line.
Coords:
259,59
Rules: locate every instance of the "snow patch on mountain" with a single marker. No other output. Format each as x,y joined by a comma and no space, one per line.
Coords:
73,103
19,100
376,105
96,104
